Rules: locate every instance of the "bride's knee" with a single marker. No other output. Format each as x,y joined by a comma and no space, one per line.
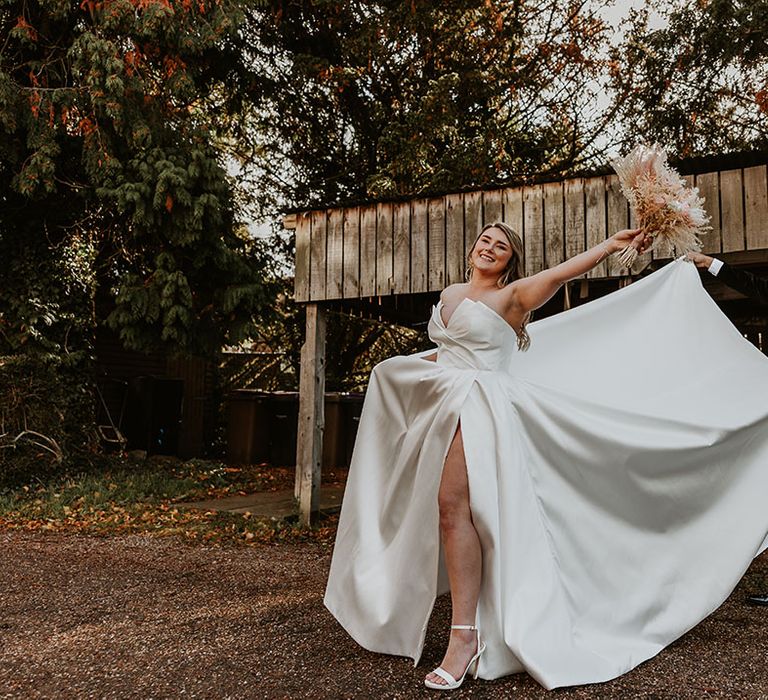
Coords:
454,510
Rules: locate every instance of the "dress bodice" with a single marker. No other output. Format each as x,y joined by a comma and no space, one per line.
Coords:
475,336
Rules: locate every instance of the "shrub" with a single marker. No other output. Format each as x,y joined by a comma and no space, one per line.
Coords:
46,416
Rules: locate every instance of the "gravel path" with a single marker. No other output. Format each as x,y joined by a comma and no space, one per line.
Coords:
141,617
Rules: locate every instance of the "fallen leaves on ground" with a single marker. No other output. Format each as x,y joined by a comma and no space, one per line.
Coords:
149,499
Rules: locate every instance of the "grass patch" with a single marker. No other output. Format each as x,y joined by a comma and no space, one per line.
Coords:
149,498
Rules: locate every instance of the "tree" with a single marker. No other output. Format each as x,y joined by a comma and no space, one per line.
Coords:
353,100
110,157
699,84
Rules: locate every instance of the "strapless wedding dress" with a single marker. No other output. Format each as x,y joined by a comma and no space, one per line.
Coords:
618,479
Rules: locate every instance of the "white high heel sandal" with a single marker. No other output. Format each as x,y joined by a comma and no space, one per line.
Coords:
452,683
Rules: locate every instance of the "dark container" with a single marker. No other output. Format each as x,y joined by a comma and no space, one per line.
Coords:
263,426
153,412
248,427
283,428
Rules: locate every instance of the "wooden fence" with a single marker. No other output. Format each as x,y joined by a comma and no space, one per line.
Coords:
391,248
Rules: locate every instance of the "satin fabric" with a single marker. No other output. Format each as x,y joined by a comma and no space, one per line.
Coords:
618,476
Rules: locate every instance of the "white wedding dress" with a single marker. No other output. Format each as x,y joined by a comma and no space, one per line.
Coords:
618,478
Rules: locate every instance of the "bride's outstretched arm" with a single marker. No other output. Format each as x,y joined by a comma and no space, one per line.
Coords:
531,292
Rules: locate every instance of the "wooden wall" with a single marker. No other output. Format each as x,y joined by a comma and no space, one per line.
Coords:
392,248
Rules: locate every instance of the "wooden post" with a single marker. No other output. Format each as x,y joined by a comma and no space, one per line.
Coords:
309,445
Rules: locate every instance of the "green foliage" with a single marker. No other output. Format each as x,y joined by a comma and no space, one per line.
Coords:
699,84
45,416
107,135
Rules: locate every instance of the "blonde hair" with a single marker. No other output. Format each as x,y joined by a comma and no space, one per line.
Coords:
514,270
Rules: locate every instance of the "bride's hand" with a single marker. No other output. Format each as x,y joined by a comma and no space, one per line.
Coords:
630,237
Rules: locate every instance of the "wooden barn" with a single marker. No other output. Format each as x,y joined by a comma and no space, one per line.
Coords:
390,259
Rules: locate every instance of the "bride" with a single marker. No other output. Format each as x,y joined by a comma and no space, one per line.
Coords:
572,509
495,264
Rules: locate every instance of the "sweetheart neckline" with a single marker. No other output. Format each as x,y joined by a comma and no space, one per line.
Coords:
445,325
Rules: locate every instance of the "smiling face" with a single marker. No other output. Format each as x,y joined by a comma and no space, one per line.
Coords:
491,252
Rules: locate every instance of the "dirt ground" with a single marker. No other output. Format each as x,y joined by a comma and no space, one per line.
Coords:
142,617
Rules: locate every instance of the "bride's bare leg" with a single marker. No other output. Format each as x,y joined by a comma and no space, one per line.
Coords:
463,558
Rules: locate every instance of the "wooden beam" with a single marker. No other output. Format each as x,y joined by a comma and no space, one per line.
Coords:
709,190
575,229
368,250
436,233
351,252
512,200
533,225
473,219
554,224
595,220
303,242
384,248
745,257
309,444
402,252
492,206
454,239
334,269
756,207
318,254
732,211
419,243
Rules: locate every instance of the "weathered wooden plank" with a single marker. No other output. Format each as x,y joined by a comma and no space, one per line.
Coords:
492,207
512,201
351,235
594,192
384,248
732,210
756,207
401,270
709,189
318,247
454,239
368,250
533,229
554,218
419,243
617,209
575,228
309,443
340,252
473,219
301,274
436,223
334,268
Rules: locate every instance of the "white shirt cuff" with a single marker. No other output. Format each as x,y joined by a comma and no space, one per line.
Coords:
714,266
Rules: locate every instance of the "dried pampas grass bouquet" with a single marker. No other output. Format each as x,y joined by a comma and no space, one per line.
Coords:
665,206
